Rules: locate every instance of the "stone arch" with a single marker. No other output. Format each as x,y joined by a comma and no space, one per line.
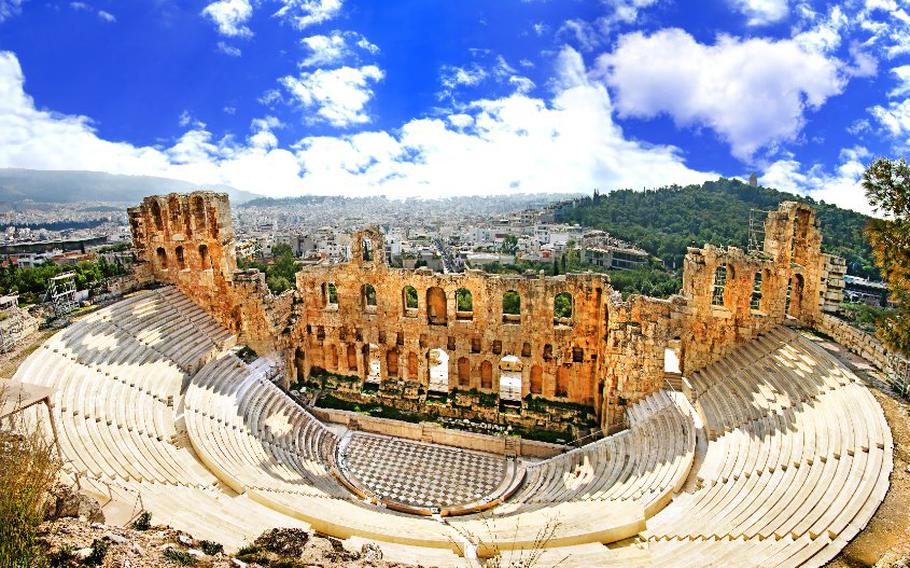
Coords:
162,257
366,250
464,372
438,369
719,286
795,295
464,304
536,385
329,294
562,380
511,307
181,259
510,368
562,309
300,365
351,358
755,302
391,362
157,216
371,363
409,298
486,375
436,306
368,297
198,208
204,260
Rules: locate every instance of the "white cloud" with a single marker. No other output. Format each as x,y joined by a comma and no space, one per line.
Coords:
231,17
843,187
228,49
513,144
334,48
895,118
10,8
107,16
338,96
762,12
754,93
902,72
305,13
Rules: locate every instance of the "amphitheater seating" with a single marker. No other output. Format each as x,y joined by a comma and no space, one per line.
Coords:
799,460
791,454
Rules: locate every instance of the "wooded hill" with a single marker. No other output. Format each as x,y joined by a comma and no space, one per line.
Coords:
667,220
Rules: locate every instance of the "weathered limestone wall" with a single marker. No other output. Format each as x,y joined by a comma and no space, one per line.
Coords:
732,295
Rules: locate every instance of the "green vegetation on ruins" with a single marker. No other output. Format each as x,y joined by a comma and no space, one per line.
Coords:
31,282
280,272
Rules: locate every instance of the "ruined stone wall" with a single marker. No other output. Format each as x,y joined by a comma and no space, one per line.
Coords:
188,240
731,296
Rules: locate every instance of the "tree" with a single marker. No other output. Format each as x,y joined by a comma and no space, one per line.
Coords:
510,244
887,185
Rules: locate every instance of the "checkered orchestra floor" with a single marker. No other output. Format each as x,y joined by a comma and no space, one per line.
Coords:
419,474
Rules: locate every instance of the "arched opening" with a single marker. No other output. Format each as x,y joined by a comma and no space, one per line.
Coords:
300,365
578,355
536,379
366,250
547,352
526,349
436,306
368,298
333,358
438,362
352,358
162,258
755,301
412,366
562,380
795,295
156,216
464,304
409,300
464,372
391,362
511,307
204,261
486,375
329,295
719,286
562,309
510,368
371,363
199,210
181,260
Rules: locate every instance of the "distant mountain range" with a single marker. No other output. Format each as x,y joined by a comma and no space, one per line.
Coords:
57,186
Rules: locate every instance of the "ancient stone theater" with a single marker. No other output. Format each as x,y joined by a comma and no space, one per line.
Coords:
710,428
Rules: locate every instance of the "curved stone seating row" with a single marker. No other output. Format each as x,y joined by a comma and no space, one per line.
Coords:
643,464
800,462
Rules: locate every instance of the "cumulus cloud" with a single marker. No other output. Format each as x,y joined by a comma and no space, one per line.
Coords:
590,35
842,187
334,48
228,49
230,16
514,144
754,93
305,13
762,12
107,16
337,96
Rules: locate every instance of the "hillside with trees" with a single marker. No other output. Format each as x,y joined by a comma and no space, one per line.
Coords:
666,221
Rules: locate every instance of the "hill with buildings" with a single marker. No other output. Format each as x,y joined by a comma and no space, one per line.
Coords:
667,220
46,186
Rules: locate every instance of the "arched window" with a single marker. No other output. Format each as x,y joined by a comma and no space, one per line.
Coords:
464,372
204,257
720,285
438,363
536,379
351,358
795,295
409,298
156,216
547,352
371,363
486,375
755,302
366,250
436,306
199,210
329,295
464,304
526,349
181,261
510,378
368,297
562,309
511,307
162,258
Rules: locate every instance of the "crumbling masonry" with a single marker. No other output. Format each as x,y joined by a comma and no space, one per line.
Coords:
395,328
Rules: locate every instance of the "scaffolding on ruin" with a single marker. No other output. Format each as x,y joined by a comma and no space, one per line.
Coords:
757,218
61,293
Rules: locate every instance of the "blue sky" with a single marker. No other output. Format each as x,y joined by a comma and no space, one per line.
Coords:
427,98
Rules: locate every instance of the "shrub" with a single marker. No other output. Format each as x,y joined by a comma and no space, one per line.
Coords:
179,556
143,522
99,551
211,548
30,467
